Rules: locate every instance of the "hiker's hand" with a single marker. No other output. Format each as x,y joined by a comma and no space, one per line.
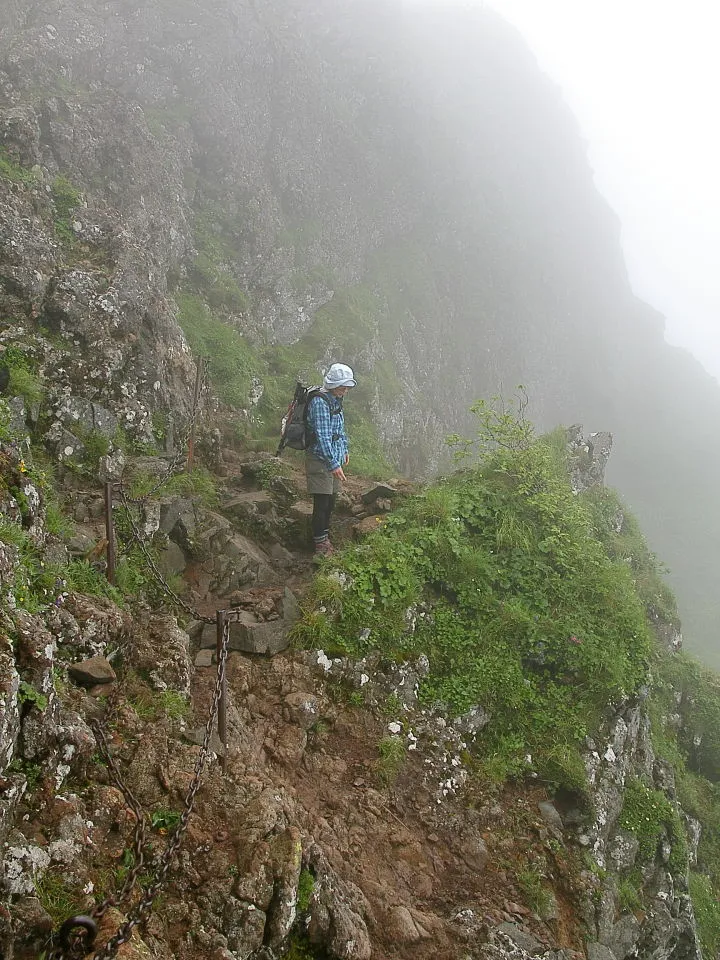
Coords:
338,472
347,459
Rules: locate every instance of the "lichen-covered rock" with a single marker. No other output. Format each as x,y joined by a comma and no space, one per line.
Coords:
161,651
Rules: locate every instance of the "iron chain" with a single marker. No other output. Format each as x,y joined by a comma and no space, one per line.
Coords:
140,912
143,908
153,567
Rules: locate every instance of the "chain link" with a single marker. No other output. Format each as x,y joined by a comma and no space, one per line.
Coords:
138,847
153,567
75,947
142,909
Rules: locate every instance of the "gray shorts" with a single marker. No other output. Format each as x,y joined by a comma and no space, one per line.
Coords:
319,478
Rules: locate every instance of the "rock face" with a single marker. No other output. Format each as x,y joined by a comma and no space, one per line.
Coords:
329,199
266,161
624,754
306,838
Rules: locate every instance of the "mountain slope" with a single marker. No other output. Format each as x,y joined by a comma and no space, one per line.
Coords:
398,186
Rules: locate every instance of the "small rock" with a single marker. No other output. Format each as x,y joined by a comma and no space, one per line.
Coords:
516,908
379,491
204,658
194,629
401,926
550,815
278,552
475,854
524,940
366,526
80,513
81,543
89,673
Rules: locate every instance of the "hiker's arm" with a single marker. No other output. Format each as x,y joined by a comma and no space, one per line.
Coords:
345,454
321,423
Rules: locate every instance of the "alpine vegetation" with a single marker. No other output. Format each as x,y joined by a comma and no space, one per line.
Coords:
504,577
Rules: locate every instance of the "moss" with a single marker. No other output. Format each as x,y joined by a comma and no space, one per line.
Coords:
299,948
11,170
66,198
707,913
25,381
306,887
232,360
651,817
65,195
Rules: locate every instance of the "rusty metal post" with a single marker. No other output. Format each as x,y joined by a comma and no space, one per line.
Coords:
222,707
199,370
109,534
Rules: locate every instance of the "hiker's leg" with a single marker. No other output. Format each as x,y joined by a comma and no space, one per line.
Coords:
331,507
322,508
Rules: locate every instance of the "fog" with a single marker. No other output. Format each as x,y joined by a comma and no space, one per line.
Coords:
642,78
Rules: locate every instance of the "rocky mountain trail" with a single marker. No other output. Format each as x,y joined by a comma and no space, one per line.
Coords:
321,832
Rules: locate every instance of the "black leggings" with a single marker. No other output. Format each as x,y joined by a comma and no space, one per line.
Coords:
323,504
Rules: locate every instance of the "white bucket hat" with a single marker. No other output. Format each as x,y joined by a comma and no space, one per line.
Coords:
339,375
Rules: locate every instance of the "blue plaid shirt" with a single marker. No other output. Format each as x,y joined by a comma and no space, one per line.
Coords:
328,425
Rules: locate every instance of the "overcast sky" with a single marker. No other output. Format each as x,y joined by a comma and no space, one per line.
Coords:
643,78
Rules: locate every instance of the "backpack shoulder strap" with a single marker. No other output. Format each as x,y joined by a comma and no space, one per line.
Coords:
310,396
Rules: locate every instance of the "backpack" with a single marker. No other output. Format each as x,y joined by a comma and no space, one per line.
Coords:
294,430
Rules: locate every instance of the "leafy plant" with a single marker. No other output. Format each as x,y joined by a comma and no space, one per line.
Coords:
28,694
306,887
32,772
650,816
164,820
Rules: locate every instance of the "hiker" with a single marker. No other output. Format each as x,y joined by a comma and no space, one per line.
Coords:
327,453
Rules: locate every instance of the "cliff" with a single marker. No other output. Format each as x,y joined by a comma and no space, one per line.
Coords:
274,186
402,188
474,765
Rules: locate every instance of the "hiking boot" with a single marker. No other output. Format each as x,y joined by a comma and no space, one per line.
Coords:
324,549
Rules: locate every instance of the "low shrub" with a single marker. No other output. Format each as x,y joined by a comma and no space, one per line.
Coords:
498,576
